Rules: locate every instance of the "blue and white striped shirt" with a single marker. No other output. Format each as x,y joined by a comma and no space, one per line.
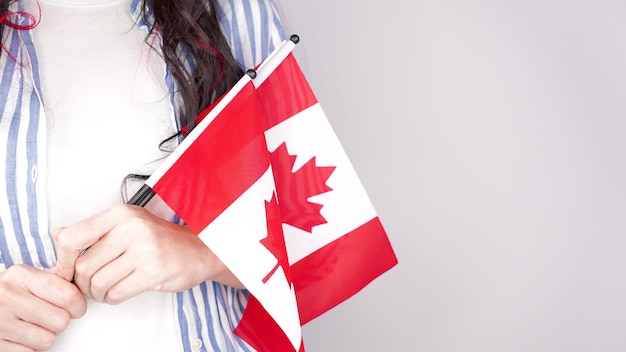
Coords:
208,313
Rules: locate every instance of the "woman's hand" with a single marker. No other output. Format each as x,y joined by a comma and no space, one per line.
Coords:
35,306
126,250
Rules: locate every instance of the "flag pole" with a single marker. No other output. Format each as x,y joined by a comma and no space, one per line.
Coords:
143,196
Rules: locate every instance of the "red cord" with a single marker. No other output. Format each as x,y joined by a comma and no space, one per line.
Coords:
32,23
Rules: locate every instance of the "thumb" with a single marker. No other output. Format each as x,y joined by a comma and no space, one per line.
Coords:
66,257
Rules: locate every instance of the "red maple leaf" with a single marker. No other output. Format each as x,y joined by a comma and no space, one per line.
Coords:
275,240
295,188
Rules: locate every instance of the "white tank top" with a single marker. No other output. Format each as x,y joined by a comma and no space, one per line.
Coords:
107,109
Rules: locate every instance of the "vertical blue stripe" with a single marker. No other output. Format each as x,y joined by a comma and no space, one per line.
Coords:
226,26
249,18
218,296
236,308
242,345
182,321
196,316
171,86
237,301
264,27
11,174
236,43
281,31
246,296
209,317
142,21
229,26
9,70
3,246
134,6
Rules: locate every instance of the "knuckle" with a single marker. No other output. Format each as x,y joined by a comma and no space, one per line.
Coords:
38,339
122,210
149,249
153,273
97,287
158,267
46,341
80,308
133,225
69,295
15,278
74,295
59,321
80,268
113,297
16,271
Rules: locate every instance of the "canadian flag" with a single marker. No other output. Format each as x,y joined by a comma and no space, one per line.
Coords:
266,184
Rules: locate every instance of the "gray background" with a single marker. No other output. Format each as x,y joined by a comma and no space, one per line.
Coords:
491,138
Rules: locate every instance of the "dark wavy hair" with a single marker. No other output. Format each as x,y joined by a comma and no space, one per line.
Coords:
190,33
194,49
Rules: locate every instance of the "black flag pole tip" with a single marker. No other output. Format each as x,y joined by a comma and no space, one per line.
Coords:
142,197
252,73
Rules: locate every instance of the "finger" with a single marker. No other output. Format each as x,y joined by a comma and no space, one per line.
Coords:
27,337
100,255
74,239
37,311
8,346
66,256
130,286
61,268
97,285
54,290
